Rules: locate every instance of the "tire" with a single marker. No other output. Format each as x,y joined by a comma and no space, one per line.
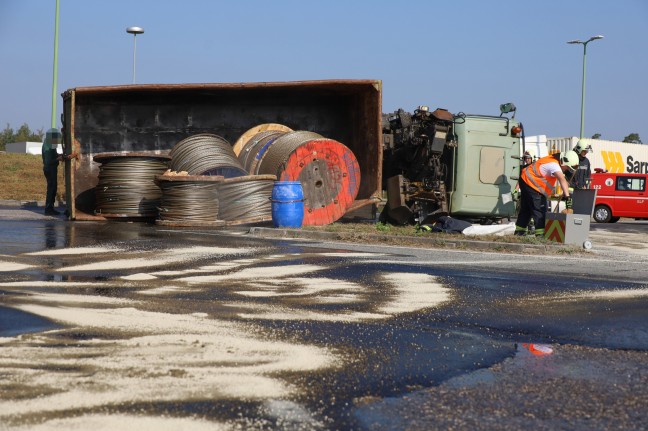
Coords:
602,214
587,245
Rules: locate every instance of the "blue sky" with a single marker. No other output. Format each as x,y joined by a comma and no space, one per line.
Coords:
465,56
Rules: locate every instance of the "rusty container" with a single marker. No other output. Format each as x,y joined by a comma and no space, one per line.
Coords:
153,118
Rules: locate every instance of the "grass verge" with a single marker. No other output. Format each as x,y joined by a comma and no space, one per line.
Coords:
22,179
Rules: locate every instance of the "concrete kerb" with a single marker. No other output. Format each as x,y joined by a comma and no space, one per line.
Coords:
436,241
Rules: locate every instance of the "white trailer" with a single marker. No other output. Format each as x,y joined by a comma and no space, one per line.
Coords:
610,156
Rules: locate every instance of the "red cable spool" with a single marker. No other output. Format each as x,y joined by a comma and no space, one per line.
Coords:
330,177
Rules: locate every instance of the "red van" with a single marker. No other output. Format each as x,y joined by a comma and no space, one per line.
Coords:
619,195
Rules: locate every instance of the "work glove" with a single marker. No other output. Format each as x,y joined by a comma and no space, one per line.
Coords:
569,202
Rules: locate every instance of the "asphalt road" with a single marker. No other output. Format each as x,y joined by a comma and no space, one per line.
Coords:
133,326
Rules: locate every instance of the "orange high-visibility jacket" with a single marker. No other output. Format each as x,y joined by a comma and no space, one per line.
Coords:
531,175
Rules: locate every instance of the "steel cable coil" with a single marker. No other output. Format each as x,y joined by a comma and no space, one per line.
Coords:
245,137
277,153
255,147
189,198
206,154
246,199
126,185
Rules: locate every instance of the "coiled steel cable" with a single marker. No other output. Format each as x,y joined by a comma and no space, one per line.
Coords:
126,186
277,154
191,198
254,148
206,154
246,198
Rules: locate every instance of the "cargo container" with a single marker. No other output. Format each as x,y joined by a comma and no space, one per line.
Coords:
153,118
610,156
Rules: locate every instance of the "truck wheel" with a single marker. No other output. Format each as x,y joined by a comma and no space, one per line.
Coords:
602,214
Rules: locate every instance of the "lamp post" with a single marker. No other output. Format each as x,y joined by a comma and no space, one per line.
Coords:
582,125
55,68
134,31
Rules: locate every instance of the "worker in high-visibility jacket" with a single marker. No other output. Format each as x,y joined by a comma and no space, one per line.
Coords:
538,183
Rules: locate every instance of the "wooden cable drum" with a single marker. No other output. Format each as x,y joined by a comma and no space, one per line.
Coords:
126,186
246,199
189,200
255,148
273,155
245,137
330,176
206,154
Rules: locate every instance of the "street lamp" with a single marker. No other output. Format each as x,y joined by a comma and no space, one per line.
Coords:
55,68
583,90
134,31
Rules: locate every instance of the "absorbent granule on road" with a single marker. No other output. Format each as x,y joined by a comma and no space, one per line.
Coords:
139,277
71,251
158,258
262,272
414,292
143,357
104,422
319,287
13,266
604,294
68,299
55,284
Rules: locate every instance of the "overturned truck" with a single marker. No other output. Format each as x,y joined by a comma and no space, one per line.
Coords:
437,163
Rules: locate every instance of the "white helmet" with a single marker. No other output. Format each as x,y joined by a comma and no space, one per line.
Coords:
582,146
570,159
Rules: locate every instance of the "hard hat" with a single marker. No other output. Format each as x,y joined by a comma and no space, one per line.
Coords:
582,146
570,159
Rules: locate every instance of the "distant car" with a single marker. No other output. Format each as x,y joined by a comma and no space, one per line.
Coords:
619,195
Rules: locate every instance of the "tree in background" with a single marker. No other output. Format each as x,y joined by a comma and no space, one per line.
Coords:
23,134
633,138
596,136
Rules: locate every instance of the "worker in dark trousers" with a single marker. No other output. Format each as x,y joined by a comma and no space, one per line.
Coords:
538,183
51,160
583,175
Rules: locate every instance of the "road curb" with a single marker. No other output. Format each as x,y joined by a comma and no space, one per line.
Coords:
430,242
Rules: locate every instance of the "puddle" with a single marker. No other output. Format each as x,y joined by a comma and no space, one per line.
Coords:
15,322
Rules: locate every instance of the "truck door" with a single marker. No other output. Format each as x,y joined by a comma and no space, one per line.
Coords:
631,199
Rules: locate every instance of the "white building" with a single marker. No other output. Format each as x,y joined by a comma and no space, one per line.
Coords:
28,148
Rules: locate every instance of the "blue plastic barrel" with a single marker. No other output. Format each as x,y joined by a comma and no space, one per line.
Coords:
287,204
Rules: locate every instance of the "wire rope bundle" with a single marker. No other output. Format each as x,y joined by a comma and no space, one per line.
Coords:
246,199
270,162
206,154
189,199
245,137
251,153
126,185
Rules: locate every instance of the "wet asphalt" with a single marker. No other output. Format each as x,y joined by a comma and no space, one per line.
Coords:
547,341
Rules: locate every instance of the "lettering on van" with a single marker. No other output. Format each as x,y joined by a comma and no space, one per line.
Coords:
613,161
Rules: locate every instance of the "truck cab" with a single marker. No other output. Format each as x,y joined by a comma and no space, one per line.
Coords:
619,195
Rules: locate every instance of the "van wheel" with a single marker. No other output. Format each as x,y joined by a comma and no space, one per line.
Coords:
602,214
